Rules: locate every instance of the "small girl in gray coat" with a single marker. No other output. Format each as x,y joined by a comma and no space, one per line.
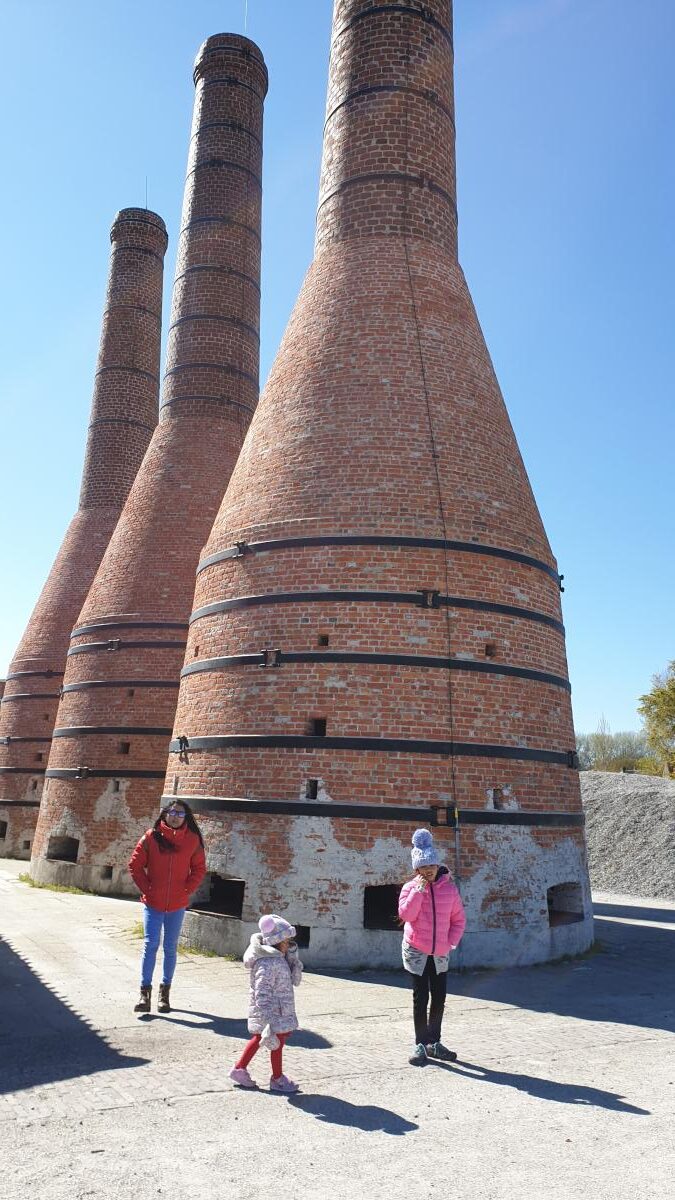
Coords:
275,969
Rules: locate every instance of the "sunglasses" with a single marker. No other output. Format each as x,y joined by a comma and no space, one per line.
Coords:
176,812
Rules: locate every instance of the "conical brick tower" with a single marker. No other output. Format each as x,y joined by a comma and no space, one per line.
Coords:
377,638
115,719
123,416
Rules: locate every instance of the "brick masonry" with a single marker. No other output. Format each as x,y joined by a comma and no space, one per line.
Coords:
123,416
121,680
383,419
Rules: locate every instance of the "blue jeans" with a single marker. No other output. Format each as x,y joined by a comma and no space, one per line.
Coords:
153,923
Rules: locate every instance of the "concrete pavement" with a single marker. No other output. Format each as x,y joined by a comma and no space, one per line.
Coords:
564,1088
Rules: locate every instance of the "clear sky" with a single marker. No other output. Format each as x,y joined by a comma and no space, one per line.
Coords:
565,119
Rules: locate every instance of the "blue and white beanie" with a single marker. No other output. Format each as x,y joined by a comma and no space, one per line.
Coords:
274,929
424,853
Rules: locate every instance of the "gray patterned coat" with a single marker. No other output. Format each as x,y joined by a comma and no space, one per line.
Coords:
273,976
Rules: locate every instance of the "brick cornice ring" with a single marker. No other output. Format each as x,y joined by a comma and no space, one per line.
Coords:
367,539
443,817
119,683
95,626
363,597
378,745
378,89
402,660
92,647
73,731
83,773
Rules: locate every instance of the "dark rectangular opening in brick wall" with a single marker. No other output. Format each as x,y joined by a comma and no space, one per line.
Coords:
565,904
302,933
124,747
324,639
25,845
312,789
220,895
316,726
61,849
106,872
380,907
3,830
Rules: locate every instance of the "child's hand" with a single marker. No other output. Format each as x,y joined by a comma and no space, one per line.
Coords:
269,1040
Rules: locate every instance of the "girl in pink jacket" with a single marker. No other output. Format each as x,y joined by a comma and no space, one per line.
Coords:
433,913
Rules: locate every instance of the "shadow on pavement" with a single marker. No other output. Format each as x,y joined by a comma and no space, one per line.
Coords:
628,978
233,1027
545,1089
42,1039
368,1117
635,912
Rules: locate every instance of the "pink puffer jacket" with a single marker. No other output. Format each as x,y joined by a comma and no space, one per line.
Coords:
434,918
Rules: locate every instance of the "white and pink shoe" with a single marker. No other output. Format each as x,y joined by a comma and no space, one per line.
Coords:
241,1078
284,1085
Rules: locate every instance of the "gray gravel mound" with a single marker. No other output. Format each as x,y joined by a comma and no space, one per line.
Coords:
630,829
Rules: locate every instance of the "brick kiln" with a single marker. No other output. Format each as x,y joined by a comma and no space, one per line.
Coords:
114,723
376,641
123,416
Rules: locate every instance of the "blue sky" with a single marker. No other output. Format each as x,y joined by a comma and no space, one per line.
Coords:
565,117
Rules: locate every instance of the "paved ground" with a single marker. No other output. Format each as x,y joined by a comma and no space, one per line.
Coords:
565,1085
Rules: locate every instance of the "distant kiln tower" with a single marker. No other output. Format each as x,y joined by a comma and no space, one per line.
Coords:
123,416
376,639
108,758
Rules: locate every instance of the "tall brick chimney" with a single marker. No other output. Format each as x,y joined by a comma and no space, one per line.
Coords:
376,642
123,416
115,719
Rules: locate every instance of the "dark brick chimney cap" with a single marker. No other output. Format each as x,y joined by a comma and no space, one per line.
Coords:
139,224
221,51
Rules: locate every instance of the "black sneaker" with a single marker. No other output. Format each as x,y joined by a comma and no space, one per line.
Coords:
418,1056
441,1052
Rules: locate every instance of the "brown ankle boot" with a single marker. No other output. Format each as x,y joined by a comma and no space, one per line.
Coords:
144,1000
164,1005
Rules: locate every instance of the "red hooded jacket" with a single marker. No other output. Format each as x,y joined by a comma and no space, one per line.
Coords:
167,878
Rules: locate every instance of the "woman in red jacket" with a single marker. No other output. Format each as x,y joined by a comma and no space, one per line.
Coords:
167,866
433,913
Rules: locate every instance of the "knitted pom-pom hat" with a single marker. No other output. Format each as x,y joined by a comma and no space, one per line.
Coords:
274,929
424,853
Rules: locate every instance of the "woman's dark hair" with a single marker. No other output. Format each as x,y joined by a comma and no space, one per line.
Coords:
164,843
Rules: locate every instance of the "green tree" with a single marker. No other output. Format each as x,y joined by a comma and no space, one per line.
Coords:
657,710
607,751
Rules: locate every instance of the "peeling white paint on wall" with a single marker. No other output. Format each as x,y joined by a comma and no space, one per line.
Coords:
323,873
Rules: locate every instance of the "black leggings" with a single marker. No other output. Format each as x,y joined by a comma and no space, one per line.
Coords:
428,1028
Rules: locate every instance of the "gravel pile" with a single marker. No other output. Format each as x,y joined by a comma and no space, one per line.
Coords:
630,828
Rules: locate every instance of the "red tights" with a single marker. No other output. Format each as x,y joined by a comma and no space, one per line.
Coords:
252,1048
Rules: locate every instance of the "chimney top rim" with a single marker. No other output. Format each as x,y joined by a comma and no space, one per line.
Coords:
227,42
136,216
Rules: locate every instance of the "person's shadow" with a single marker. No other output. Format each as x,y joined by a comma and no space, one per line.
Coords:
368,1117
235,1027
544,1089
